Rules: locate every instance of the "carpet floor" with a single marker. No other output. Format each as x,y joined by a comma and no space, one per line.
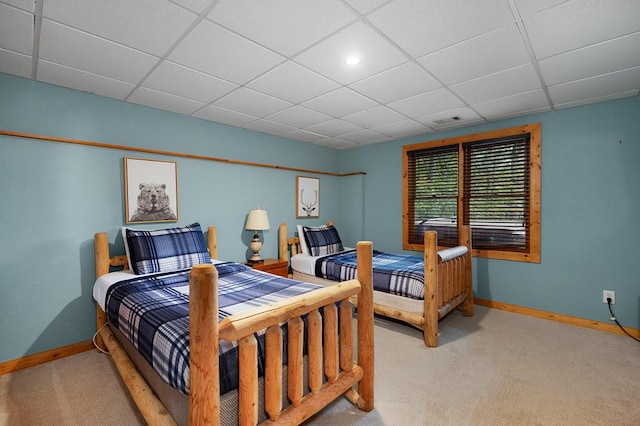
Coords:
495,368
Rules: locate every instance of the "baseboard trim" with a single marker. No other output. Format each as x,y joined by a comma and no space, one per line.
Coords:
42,357
566,319
53,354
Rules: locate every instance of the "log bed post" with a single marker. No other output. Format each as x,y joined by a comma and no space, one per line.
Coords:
204,388
465,240
365,323
101,249
212,242
430,279
282,239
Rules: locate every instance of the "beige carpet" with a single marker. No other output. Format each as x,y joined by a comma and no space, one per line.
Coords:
496,368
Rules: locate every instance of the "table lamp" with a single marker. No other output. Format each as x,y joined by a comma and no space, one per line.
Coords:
257,220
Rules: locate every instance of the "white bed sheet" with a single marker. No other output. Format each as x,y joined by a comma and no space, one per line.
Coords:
103,283
306,263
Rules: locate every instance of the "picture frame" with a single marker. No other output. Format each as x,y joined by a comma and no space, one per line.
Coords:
151,190
307,197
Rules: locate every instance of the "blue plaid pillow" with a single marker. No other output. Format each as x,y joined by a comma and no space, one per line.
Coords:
322,240
166,250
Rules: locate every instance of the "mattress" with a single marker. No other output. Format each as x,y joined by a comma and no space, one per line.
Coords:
104,282
379,297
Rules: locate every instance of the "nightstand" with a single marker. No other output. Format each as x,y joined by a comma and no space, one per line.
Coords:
273,266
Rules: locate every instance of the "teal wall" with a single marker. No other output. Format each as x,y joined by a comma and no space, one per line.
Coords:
55,196
590,201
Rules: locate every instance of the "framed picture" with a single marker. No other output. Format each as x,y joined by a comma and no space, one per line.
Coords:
150,190
307,197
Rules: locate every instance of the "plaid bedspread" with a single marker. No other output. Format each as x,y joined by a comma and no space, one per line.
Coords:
398,274
153,314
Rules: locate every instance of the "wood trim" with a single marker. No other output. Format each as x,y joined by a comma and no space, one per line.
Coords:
565,319
43,357
535,130
170,153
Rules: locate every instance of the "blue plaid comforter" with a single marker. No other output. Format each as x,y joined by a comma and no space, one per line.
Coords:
398,274
153,314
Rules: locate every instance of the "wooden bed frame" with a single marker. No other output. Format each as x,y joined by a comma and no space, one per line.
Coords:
330,367
448,285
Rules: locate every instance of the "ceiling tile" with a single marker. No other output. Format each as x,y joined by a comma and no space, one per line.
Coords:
164,101
270,127
427,103
364,137
529,102
421,27
528,7
596,87
225,116
365,6
601,58
510,82
402,128
403,81
273,22
292,83
333,127
278,65
375,53
28,5
198,6
60,75
216,51
604,98
579,23
298,117
152,26
304,136
15,63
374,117
187,83
16,30
444,119
489,53
335,143
77,49
340,102
252,103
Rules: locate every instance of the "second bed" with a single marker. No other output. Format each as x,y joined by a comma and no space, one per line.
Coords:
417,290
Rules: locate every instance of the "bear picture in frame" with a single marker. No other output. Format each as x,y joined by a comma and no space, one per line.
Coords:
151,190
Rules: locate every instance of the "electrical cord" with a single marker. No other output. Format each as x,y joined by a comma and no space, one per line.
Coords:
613,318
95,335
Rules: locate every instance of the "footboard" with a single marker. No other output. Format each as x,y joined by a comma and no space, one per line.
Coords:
330,365
448,281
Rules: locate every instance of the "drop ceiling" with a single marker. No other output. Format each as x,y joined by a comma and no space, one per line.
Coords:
278,66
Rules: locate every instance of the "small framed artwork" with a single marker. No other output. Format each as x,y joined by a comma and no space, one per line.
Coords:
307,197
150,190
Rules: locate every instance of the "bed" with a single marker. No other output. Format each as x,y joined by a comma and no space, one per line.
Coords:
411,298
292,354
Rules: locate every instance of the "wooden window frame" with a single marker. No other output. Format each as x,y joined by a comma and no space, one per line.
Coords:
533,253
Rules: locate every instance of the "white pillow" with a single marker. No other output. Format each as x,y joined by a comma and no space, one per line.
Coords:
303,244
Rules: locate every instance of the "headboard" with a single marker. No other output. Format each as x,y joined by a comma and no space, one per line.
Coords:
104,261
290,246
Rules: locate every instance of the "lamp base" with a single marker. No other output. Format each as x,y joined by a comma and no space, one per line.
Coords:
255,245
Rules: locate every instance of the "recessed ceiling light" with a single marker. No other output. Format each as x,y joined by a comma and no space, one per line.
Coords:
352,60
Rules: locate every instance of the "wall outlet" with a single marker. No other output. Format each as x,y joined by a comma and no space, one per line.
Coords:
609,294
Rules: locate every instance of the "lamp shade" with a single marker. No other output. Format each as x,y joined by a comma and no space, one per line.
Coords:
258,220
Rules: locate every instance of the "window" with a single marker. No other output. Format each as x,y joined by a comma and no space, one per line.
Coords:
490,181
